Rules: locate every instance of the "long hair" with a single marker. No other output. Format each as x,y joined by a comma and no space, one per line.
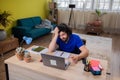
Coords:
64,28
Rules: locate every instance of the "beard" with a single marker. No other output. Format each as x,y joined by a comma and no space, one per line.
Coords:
65,39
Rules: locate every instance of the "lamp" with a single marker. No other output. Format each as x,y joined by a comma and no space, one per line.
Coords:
28,40
71,12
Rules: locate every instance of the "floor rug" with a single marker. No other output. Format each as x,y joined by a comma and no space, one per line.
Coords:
99,47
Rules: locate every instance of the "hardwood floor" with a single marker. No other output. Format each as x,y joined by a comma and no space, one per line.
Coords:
115,58
113,73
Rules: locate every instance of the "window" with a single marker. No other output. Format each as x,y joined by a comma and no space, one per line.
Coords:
102,4
80,4
83,4
110,5
116,5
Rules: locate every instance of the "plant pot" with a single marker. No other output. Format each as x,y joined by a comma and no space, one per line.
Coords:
27,59
97,23
2,34
20,56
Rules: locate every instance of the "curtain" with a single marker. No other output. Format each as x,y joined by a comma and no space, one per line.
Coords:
82,13
111,22
79,19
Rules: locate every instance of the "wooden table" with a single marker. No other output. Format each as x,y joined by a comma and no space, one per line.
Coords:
35,70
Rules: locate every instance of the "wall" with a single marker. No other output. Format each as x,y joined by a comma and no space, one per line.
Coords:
24,8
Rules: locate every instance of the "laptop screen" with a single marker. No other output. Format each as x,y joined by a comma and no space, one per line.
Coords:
55,61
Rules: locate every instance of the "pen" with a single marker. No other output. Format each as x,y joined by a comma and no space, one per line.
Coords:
61,53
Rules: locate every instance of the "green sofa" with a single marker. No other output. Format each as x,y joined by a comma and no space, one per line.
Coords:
26,27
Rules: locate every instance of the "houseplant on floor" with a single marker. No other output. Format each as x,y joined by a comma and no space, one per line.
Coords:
4,22
98,15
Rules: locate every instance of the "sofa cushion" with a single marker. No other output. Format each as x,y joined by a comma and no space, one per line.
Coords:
54,25
23,28
34,33
36,20
26,22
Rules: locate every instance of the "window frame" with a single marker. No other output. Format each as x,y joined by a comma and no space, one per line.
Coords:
94,4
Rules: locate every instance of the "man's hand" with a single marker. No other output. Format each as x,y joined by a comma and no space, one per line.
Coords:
75,58
56,30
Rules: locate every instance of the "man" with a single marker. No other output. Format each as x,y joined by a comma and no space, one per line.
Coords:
68,42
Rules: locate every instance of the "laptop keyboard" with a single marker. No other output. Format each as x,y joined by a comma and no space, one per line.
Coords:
61,54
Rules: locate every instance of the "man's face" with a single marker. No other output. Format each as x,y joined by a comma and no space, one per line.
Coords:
63,36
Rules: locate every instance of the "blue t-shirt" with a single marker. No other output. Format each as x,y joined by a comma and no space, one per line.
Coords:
72,45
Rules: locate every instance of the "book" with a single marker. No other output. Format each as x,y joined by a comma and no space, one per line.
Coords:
38,49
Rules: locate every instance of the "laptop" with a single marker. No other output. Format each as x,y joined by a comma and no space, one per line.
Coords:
55,61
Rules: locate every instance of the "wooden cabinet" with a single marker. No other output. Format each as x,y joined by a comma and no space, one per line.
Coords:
8,44
94,27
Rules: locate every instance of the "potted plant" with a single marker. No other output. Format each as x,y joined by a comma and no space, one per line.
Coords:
4,22
20,53
98,14
27,57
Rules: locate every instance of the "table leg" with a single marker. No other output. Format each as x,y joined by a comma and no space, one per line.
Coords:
7,72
